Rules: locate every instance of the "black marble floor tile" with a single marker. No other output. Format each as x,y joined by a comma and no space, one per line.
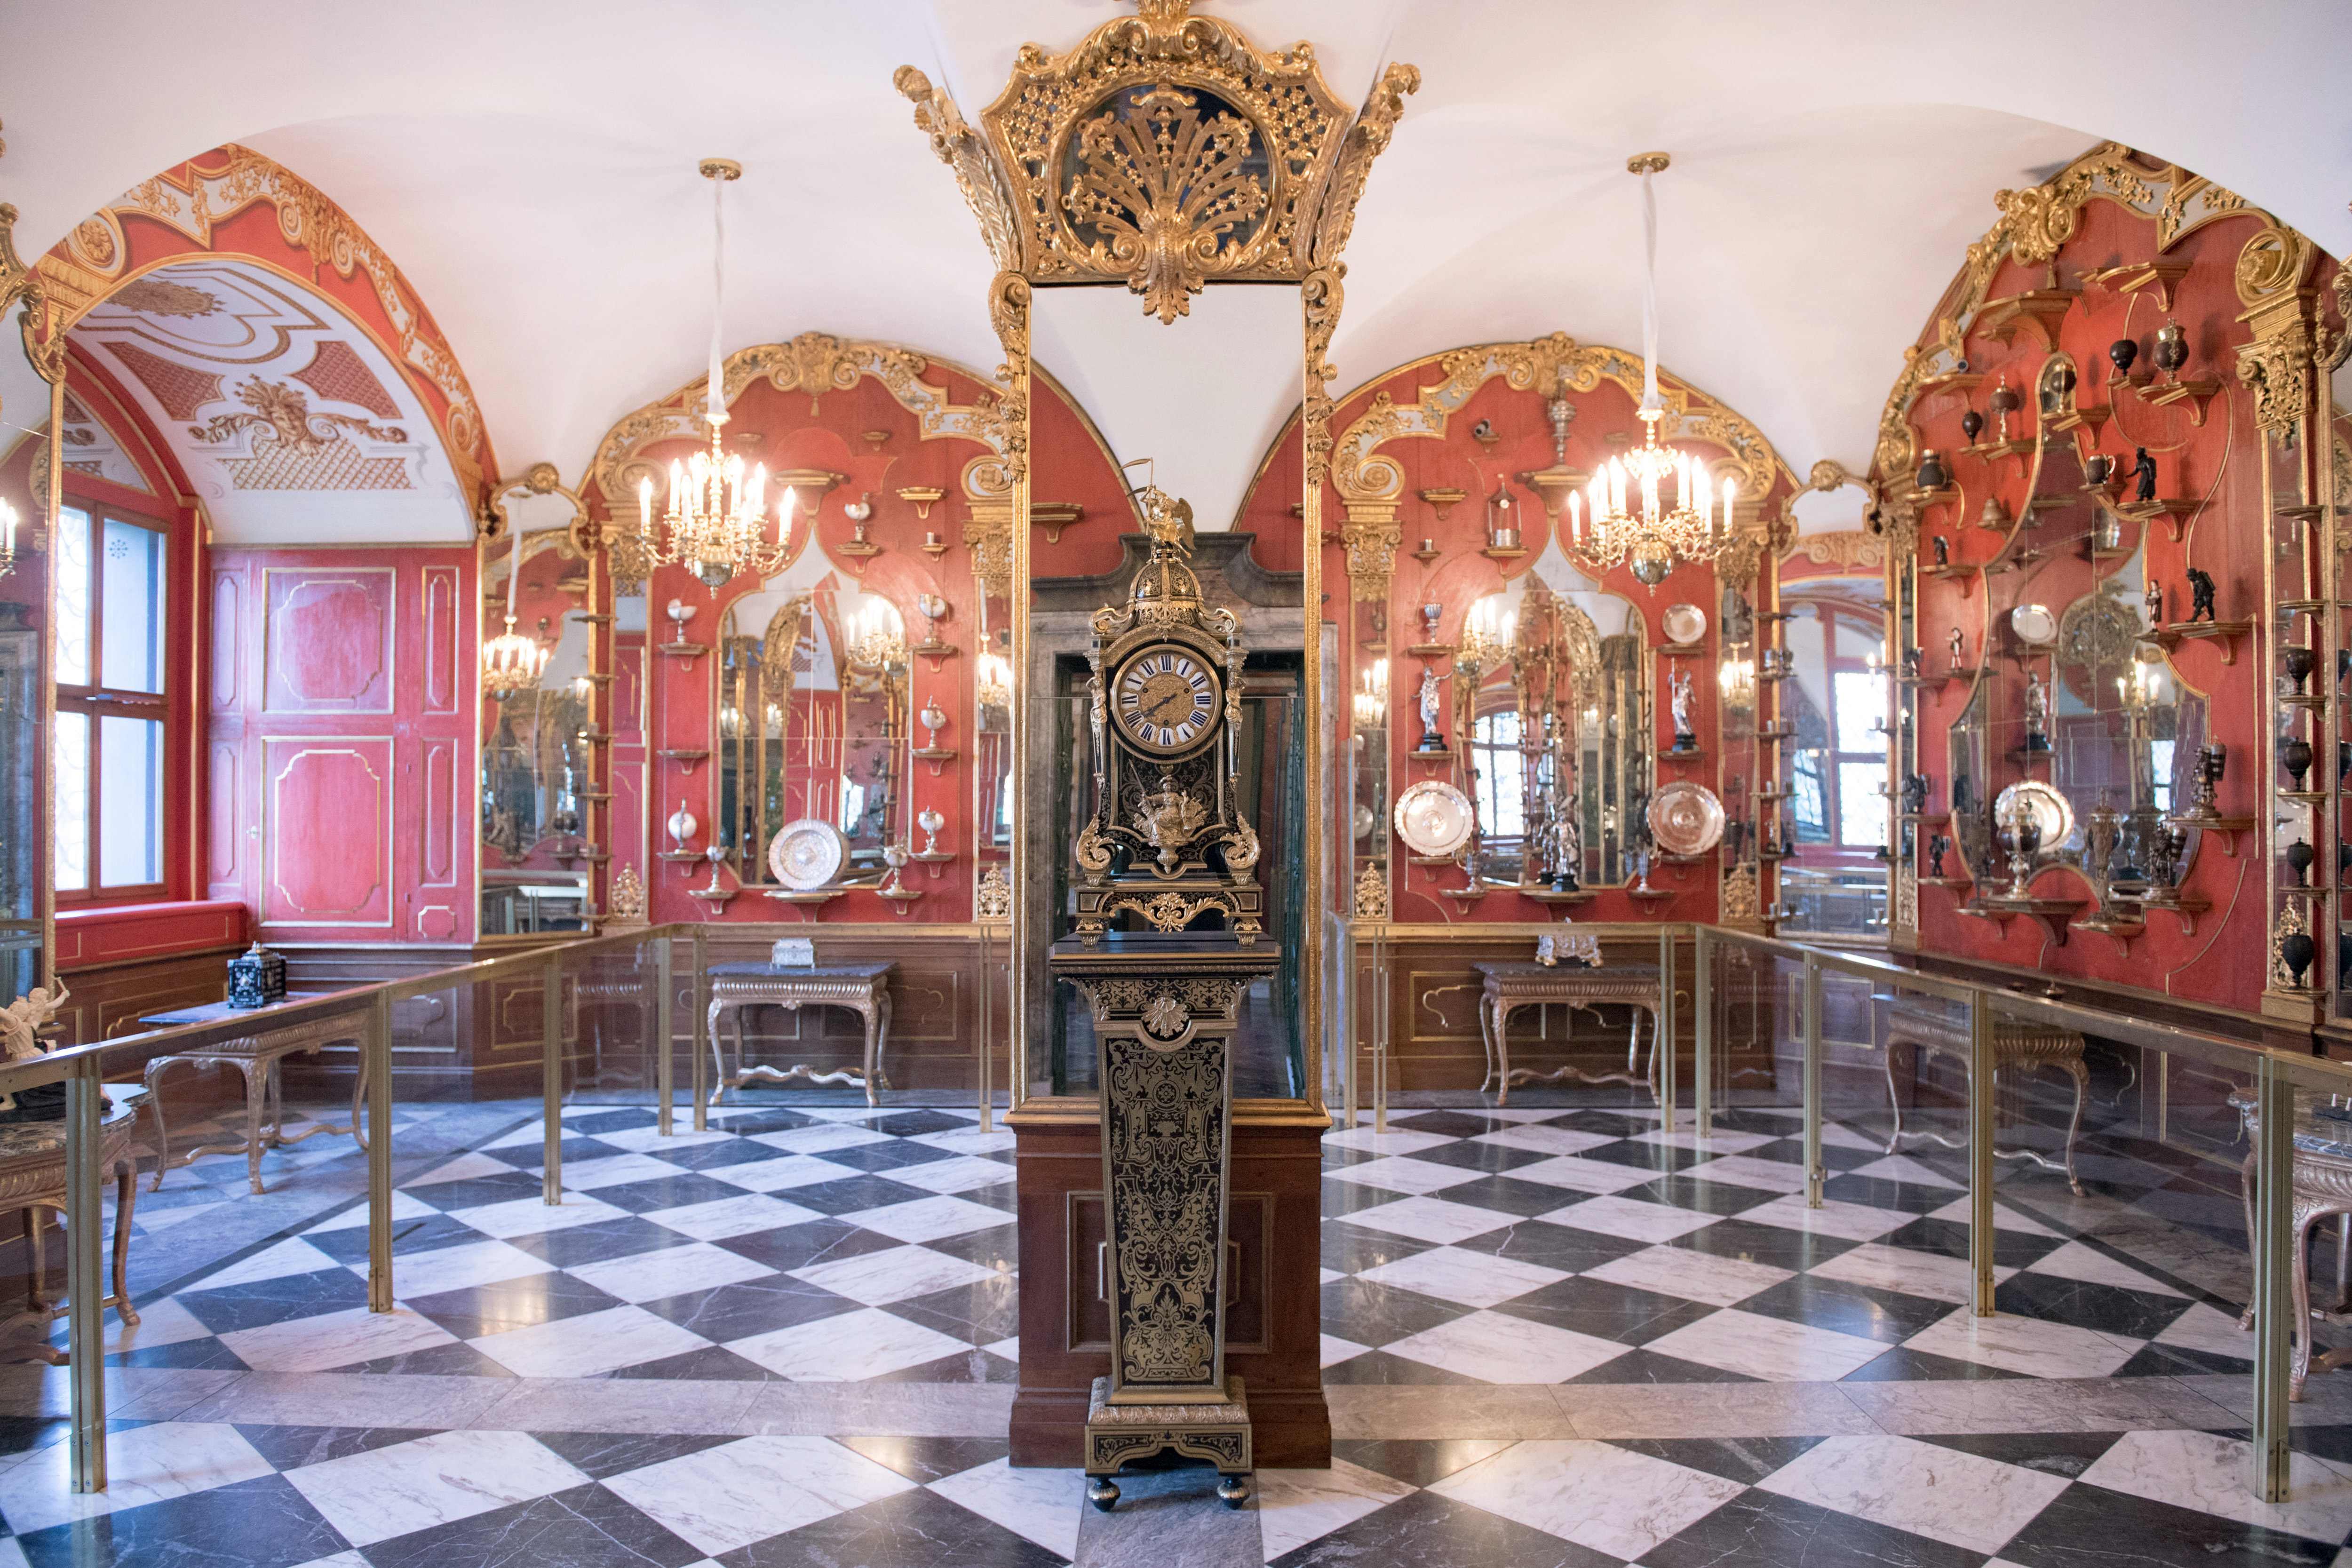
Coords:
973,1365
1776,1244
1849,1309
1876,1192
22,1434
584,1527
1663,1158
511,1304
1605,1310
1901,1365
1351,1250
292,1447
1417,1461
997,1246
2091,1527
459,1360
716,1156
619,1118
349,1244
1426,1531
1381,1368
924,1460
855,1192
260,1523
188,1355
978,1314
573,1245
712,1363
475,1191
915,1529
1471,1155
664,1193
265,1302
1504,1195
2011,1249
1611,1124
530,1157
914,1122
894,1155
1561,1246
1762,1528
1448,1123
1341,1199
1640,1365
1372,1314
809,1242
597,1455
2066,1454
2180,1361
2103,1308
748,1307
1714,1197
1746,1460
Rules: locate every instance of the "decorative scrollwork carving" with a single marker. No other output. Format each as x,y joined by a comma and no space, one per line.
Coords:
1373,893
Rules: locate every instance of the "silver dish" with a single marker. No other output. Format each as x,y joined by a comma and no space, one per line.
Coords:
2053,812
1432,817
1365,821
808,854
2034,624
1686,818
1684,623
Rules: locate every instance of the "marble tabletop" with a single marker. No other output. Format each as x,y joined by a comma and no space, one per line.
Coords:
29,1140
867,970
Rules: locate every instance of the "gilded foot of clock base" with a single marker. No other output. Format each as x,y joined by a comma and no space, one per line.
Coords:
1217,1430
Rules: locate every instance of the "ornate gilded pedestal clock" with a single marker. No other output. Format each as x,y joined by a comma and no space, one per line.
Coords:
1169,938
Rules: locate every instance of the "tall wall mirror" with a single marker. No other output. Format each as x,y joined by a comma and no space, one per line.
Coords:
29,409
1836,708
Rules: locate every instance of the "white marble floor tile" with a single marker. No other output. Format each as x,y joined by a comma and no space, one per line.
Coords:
613,1171
404,1207
163,1323
895,1274
1547,1139
1631,1218
389,1491
967,1174
1010,1349
531,1216
1721,1140
1930,1275
1429,1219
1395,1141
589,1345
148,1220
1337,1350
781,1175
1597,1495
2027,1345
1850,1222
467,1166
1835,1136
1962,1499
928,1219
669,1272
2204,1328
721,1499
1040,1506
1499,1349
144,1464
293,1256
428,1273
2004,1218
1747,1170
721,1217
867,1342
531,1134
1691,1276
649,1141
2075,1261
1470,1279
1773,1349
340,1560
2206,1472
817,1140
334,1338
1575,1174
1296,1507
1903,1168
1402,1173
1325,1276
968,1141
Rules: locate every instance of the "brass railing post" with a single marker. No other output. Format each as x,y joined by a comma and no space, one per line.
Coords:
987,1027
2273,1245
664,1069
700,979
1702,1033
1664,1046
1380,1015
85,1278
1812,1079
551,1078
375,1082
1981,1097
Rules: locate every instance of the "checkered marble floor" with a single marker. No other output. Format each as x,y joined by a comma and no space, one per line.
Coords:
1471,1252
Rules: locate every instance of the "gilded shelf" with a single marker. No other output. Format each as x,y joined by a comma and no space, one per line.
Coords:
1053,516
2054,915
2133,277
2228,826
717,897
1680,650
1696,754
2037,311
2226,633
1441,754
1559,896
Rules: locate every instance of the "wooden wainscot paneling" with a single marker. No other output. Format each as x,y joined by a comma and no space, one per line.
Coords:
328,639
327,831
1274,1256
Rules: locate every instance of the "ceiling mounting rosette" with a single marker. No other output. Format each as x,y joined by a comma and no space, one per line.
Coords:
1167,153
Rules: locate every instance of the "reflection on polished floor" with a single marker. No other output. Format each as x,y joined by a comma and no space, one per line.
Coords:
1554,1334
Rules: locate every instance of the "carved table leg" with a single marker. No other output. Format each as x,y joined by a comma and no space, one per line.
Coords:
2246,1197
2298,1365
718,1052
1502,1052
36,1270
2082,1077
126,1194
1486,1039
256,1098
359,1097
153,1078
882,1037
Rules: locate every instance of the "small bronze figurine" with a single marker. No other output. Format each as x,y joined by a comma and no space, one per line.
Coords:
2201,594
1943,550
2120,353
2143,471
2155,597
1914,794
1955,642
1938,846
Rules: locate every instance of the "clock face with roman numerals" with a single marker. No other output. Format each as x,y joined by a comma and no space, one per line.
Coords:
1165,701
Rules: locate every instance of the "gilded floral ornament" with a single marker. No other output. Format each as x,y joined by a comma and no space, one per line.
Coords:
1372,894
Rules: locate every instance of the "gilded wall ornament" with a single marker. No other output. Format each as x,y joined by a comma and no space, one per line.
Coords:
1373,893
993,900
1739,902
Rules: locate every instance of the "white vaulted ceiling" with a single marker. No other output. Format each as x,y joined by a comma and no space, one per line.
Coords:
529,164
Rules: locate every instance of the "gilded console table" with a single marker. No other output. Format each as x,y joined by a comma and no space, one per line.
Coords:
1511,986
2323,1190
863,988
1935,1028
33,1178
260,1054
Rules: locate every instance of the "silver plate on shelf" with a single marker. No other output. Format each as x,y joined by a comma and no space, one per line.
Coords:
808,854
1432,817
1684,623
2053,811
1686,818
2034,624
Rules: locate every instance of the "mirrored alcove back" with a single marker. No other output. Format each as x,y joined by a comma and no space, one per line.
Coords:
30,408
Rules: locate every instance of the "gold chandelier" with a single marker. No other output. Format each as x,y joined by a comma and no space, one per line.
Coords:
716,522
512,662
1625,515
